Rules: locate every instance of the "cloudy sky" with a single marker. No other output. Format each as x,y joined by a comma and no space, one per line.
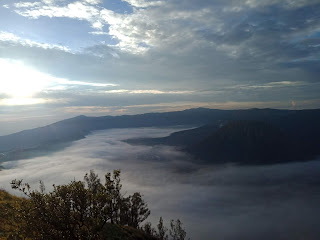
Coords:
62,58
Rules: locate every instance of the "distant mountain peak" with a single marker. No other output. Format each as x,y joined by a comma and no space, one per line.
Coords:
80,116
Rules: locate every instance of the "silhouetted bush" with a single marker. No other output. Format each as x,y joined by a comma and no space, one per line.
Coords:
83,210
80,209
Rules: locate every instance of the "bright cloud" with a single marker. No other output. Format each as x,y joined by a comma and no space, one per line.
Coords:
77,10
152,91
68,82
141,55
22,101
143,3
99,33
93,1
137,32
12,38
160,24
27,4
21,83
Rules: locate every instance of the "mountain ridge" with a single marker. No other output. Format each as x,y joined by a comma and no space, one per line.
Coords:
72,129
249,142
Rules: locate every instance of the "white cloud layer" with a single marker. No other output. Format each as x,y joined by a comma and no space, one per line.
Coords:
14,39
144,3
20,84
214,202
147,91
94,2
93,84
162,24
146,27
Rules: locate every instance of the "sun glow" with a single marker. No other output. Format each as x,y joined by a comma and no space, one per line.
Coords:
20,84
18,81
21,101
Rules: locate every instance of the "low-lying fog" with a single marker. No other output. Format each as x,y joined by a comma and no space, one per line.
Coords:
213,202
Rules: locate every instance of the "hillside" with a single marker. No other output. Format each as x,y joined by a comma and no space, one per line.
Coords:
293,138
181,138
248,142
302,124
9,223
78,127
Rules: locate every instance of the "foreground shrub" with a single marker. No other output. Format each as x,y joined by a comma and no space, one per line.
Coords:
78,210
85,209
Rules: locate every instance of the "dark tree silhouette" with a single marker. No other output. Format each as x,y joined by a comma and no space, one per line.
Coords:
162,235
80,209
176,231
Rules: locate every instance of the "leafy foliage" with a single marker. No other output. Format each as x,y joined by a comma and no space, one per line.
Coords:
162,230
148,229
80,209
176,231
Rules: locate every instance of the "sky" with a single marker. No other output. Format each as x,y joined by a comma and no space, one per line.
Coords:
213,201
61,58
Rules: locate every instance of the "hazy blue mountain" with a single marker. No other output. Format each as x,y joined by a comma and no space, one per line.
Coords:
267,137
181,138
78,127
301,124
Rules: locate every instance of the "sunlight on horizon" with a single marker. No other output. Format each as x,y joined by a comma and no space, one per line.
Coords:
21,101
20,83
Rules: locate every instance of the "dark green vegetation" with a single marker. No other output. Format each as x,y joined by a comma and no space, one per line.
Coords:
301,126
294,137
80,210
249,142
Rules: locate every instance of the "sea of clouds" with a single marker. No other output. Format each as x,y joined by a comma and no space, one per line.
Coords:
213,201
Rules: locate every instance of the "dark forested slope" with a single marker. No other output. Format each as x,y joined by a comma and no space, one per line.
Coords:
78,127
302,125
250,137
249,142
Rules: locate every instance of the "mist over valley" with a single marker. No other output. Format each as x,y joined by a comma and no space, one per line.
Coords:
214,201
210,110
